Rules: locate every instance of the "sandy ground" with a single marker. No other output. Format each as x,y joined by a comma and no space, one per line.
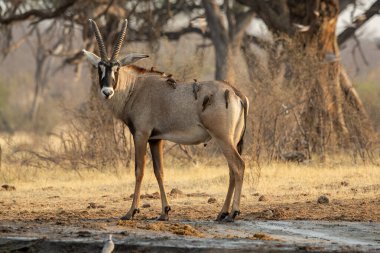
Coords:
279,213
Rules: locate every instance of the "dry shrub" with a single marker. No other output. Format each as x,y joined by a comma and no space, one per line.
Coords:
296,109
80,143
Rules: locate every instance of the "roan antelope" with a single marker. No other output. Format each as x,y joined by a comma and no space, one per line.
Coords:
156,108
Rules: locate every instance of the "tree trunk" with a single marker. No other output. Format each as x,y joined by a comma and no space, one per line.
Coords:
333,101
224,69
219,36
227,41
332,114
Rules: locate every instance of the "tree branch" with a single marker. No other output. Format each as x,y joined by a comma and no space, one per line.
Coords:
175,35
344,3
359,22
38,13
277,21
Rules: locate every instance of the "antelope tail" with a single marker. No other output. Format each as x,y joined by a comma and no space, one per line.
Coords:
245,104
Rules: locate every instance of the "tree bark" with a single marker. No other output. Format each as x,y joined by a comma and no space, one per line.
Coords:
227,41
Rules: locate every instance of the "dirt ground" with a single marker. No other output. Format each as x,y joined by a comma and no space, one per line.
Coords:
67,211
60,207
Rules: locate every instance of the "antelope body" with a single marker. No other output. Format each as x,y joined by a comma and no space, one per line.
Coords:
156,108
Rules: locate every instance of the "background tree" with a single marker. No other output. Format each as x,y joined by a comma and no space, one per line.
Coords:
305,44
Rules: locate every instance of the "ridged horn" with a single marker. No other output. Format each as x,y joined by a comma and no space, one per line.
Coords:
120,39
99,39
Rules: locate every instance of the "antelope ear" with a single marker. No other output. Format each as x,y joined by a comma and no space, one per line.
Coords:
132,58
92,58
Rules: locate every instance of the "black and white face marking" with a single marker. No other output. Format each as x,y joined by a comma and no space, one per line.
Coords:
108,72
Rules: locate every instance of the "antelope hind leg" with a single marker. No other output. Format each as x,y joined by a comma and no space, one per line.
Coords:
238,170
236,167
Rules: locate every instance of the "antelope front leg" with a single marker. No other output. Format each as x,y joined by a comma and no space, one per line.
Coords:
140,141
156,148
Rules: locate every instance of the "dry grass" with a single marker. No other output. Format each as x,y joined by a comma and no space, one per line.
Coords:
290,182
291,192
280,182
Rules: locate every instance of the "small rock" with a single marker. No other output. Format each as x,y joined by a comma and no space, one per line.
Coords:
146,196
256,194
197,194
176,192
278,213
146,205
92,205
7,187
262,198
344,183
262,236
267,213
211,200
323,200
156,195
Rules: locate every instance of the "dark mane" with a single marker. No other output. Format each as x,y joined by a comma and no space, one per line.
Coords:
142,70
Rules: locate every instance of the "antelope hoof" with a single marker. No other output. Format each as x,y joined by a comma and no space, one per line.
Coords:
231,217
165,215
130,214
222,216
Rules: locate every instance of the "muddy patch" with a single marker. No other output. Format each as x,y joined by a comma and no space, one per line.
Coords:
174,228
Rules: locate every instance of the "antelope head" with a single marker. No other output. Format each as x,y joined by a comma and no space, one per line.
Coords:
108,68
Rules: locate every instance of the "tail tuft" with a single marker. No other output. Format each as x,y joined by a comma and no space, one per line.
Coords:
245,104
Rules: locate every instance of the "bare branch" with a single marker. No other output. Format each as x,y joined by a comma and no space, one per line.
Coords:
359,22
175,35
41,14
276,20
